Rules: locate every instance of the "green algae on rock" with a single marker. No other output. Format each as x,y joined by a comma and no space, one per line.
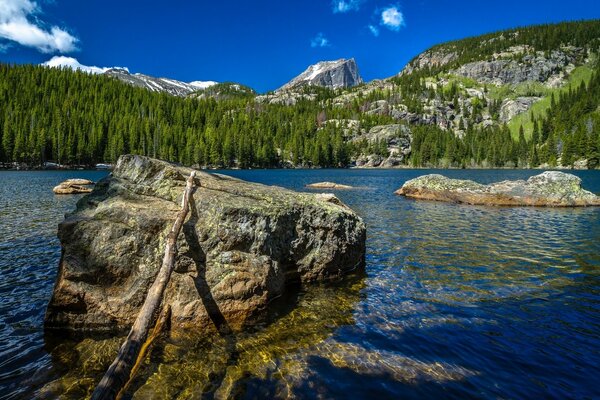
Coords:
548,189
240,248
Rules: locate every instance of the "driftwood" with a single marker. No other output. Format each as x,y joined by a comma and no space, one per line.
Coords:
158,328
120,371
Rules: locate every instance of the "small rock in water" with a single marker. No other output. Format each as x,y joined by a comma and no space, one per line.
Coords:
328,185
73,186
548,189
78,181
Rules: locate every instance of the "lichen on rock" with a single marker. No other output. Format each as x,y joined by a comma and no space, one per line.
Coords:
548,189
241,247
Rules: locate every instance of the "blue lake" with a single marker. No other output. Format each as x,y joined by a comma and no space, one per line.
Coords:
456,301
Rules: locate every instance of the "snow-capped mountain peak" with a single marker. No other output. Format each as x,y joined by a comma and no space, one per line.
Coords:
166,85
332,74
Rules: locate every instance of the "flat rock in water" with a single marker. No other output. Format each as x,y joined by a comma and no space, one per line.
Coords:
71,189
78,181
241,246
73,186
328,185
548,189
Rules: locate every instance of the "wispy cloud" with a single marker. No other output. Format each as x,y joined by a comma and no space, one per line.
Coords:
16,25
392,18
374,30
343,6
319,41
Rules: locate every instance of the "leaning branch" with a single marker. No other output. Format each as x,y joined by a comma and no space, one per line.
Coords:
119,372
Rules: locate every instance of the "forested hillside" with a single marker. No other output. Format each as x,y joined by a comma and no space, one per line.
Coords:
526,97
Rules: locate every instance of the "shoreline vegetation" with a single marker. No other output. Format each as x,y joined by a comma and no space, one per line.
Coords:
109,167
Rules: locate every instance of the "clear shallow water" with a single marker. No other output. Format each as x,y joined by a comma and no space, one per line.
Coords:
456,301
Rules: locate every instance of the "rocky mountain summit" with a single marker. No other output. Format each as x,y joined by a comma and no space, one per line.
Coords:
548,189
331,74
163,85
241,247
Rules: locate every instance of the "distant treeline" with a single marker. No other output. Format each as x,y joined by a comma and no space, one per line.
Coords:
74,118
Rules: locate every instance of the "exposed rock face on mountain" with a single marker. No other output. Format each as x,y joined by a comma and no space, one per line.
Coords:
224,91
430,58
511,108
536,67
240,248
548,189
396,137
285,97
331,74
164,85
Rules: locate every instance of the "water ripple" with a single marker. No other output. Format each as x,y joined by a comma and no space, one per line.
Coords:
457,302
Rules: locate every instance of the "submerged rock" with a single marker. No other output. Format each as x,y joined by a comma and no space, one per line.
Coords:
549,189
242,244
328,185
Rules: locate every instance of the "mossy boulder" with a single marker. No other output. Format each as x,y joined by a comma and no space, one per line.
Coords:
548,189
241,247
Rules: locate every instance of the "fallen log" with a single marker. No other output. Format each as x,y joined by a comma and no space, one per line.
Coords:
119,372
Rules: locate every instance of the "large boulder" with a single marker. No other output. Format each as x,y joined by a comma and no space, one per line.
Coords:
241,247
549,189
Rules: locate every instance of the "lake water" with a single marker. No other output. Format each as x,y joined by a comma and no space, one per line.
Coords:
456,301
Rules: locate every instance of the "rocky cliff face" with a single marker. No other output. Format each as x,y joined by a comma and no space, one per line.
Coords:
396,137
332,74
241,247
535,67
430,58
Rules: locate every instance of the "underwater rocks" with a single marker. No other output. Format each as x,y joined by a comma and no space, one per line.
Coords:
241,246
548,189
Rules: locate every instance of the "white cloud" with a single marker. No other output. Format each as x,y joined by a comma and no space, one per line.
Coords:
319,41
70,62
392,18
343,6
15,25
374,30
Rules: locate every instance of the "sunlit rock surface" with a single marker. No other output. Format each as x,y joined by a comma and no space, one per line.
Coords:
549,189
241,246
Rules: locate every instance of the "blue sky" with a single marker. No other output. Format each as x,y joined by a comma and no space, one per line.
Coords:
262,44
